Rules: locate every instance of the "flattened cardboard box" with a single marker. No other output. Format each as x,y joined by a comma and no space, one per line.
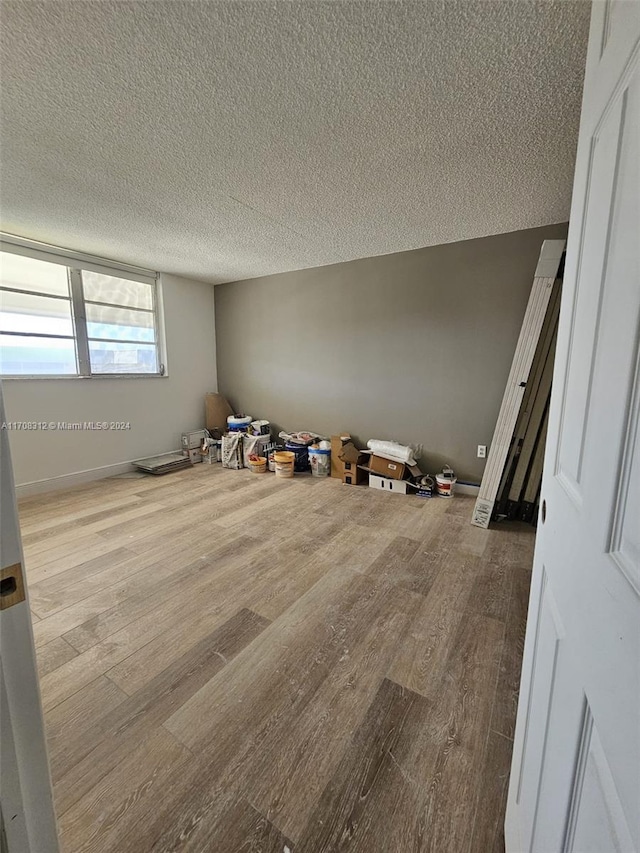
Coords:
216,410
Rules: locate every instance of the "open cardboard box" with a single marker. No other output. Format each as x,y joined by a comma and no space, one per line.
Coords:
352,458
337,444
392,484
387,467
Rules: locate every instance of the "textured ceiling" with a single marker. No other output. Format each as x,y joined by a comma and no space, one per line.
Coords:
227,140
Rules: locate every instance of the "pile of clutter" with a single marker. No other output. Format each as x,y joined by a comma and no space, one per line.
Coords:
387,466
238,441
248,444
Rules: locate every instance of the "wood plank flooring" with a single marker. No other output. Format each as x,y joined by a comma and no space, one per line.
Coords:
234,663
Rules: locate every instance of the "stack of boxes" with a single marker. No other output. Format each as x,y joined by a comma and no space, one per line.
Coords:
391,475
192,443
354,467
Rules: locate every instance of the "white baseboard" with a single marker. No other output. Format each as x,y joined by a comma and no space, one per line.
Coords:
65,481
466,489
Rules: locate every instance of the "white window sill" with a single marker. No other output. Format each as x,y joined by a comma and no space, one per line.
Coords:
95,376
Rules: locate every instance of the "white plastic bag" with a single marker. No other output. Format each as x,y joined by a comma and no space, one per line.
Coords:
392,450
232,450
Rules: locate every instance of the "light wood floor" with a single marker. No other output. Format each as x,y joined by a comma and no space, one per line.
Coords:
231,662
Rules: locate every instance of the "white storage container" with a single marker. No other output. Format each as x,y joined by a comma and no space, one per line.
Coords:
398,487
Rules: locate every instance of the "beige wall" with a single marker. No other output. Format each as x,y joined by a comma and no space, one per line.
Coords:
414,346
159,409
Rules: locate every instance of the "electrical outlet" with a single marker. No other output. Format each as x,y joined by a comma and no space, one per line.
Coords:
482,451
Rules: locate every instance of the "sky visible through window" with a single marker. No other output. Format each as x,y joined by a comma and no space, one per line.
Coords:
47,310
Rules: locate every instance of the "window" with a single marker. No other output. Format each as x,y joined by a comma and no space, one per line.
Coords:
61,315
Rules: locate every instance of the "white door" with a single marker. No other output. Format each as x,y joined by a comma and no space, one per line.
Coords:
575,776
26,804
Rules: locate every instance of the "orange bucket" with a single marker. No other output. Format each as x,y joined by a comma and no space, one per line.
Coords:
284,461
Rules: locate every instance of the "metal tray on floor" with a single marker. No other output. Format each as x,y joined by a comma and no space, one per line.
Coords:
163,464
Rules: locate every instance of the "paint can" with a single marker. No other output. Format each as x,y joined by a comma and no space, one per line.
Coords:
445,482
269,452
260,427
254,445
258,464
238,423
320,460
284,463
301,453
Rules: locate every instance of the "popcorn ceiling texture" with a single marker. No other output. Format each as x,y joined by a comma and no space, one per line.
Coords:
228,140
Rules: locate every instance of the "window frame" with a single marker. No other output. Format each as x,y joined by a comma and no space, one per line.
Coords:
75,263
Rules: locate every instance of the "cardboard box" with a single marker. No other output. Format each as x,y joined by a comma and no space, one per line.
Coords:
193,440
193,454
424,487
351,454
337,443
387,468
354,476
397,487
423,491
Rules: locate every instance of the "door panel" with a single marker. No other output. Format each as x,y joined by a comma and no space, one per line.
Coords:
575,781
25,786
624,546
587,307
596,821
547,645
